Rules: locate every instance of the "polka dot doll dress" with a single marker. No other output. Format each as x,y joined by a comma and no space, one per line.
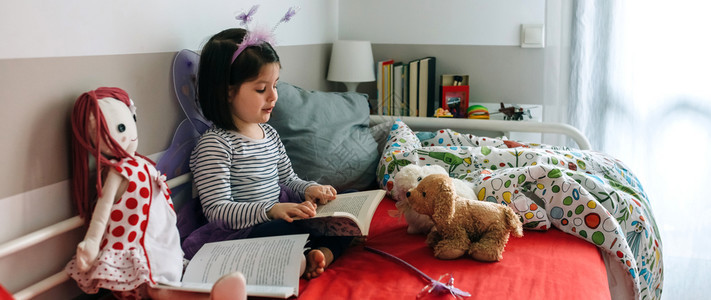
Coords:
141,243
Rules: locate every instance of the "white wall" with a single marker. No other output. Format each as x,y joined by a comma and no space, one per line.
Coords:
436,22
39,28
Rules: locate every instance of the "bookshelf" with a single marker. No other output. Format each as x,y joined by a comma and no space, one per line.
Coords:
406,88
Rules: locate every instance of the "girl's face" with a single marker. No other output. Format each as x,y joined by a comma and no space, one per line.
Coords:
254,100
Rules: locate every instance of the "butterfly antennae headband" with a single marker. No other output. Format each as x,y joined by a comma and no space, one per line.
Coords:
258,36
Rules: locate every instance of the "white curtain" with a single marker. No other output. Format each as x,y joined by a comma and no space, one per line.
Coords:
640,89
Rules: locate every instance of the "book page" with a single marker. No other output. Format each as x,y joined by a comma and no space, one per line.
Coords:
358,204
266,263
347,215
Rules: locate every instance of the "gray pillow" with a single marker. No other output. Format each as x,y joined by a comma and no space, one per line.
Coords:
380,133
326,136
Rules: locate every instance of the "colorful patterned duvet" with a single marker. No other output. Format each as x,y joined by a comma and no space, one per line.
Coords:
584,193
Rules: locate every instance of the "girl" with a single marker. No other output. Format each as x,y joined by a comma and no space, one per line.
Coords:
240,167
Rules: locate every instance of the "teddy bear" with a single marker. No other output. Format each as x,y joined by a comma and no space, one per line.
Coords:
479,228
406,179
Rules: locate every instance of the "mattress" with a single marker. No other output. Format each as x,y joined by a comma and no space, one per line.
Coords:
540,265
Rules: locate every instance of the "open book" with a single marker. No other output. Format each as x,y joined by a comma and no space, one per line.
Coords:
347,215
271,265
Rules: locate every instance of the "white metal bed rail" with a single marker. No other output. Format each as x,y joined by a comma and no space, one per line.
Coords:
464,125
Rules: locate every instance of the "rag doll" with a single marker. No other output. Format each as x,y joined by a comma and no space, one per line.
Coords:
132,242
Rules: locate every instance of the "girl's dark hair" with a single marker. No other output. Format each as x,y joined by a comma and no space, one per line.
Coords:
216,75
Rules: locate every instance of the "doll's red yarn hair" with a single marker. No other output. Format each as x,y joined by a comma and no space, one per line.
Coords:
86,110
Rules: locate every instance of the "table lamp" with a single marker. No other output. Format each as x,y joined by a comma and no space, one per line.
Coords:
351,63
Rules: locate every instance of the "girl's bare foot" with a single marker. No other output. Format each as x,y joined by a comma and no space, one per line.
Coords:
230,286
316,262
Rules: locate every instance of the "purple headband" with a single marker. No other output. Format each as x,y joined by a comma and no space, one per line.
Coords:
260,35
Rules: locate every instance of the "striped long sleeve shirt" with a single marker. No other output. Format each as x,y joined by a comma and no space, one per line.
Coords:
237,178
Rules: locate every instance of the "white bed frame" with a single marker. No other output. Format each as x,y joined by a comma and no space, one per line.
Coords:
36,238
488,127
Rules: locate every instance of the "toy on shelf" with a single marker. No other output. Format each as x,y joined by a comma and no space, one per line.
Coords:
442,113
478,112
455,94
514,113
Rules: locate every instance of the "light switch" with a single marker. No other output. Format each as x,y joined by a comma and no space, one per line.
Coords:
532,36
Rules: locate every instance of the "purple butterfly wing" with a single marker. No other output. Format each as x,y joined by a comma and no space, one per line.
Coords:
174,161
185,67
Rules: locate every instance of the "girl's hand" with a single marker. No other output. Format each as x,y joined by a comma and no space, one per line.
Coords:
292,211
320,194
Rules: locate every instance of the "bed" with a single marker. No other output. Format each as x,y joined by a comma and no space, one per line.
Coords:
590,230
605,246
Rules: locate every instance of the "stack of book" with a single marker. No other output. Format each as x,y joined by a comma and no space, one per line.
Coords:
406,89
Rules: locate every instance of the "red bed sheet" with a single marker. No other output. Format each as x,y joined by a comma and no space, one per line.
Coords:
540,265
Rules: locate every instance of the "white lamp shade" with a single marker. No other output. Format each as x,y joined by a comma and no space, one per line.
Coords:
351,61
